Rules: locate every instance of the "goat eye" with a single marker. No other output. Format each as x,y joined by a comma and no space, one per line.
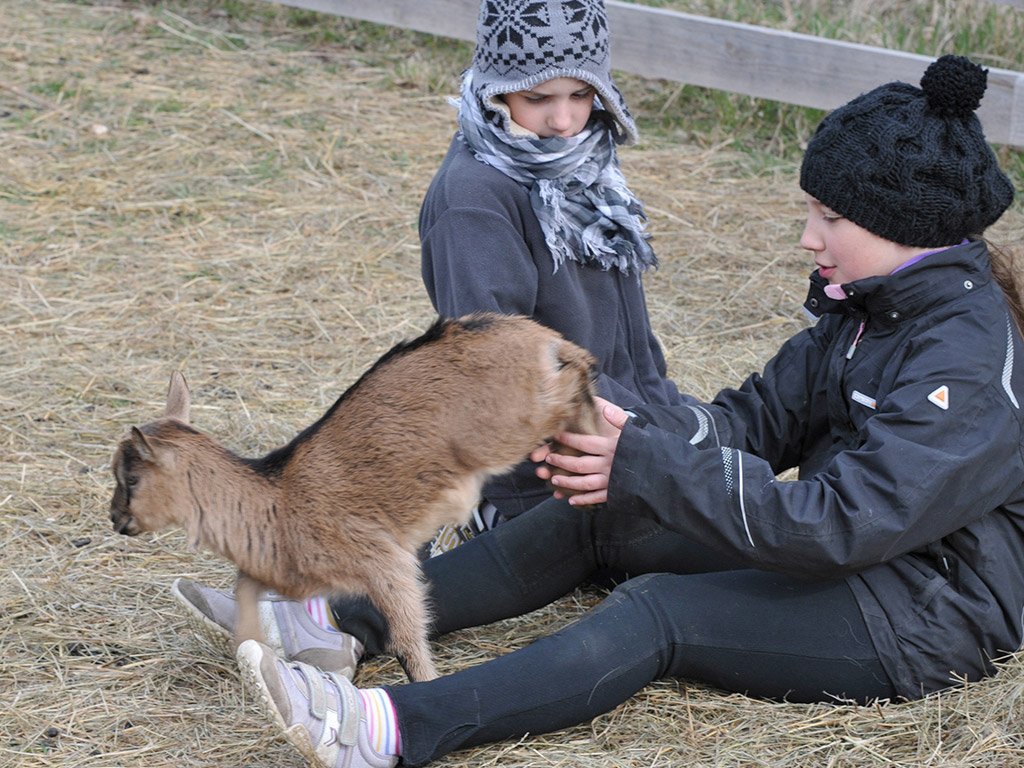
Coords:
131,481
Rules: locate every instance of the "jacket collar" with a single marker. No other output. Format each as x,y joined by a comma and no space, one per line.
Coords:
908,292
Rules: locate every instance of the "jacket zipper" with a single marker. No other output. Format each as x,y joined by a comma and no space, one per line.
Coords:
856,341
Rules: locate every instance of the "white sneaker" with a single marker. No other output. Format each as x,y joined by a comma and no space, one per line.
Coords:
287,627
319,713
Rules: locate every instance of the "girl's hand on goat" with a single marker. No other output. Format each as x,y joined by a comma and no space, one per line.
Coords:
589,481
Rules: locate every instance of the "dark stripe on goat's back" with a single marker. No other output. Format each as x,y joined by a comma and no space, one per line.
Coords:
478,321
274,462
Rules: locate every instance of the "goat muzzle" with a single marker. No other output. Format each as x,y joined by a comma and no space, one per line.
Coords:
125,524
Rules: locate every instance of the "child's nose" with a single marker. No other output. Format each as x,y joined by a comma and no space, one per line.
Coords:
809,240
561,117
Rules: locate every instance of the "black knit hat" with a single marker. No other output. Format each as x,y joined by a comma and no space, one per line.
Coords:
522,43
911,164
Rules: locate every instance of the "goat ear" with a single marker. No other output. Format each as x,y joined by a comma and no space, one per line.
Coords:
142,446
178,401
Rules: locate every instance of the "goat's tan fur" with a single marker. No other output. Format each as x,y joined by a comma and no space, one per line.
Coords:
345,506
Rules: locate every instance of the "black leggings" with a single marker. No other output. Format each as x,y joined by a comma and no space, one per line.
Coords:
682,611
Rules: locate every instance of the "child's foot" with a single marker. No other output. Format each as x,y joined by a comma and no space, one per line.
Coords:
320,714
287,627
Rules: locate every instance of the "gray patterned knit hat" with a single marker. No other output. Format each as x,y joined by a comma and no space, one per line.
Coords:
522,43
911,164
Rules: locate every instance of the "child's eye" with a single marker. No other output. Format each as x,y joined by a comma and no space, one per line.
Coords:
830,217
584,94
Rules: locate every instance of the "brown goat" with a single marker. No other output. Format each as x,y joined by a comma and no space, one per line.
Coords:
345,506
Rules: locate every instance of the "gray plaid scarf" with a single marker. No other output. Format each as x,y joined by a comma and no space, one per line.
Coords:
585,209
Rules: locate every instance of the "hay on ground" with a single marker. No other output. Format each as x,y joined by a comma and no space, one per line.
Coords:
181,188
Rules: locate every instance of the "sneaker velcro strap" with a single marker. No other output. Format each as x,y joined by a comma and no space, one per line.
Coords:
317,694
348,715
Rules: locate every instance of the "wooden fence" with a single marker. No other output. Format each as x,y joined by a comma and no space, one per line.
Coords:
730,56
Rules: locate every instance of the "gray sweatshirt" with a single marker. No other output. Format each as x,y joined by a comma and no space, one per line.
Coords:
483,249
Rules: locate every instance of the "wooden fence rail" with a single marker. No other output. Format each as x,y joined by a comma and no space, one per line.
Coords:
730,56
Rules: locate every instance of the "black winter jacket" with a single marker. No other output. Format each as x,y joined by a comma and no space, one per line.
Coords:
911,480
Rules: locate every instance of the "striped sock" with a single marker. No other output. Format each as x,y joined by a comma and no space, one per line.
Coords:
321,613
381,721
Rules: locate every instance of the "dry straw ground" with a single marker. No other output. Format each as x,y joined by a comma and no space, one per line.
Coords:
184,188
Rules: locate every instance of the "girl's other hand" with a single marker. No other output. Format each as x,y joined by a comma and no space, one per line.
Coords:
588,482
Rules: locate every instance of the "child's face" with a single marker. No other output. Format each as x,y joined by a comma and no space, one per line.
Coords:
558,107
844,251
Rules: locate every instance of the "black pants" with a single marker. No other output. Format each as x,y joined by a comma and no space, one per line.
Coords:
682,611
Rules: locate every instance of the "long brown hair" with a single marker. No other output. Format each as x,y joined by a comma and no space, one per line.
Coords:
1005,272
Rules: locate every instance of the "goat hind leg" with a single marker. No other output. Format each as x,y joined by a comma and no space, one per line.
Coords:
247,622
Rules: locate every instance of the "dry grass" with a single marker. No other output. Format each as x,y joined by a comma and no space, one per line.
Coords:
183,189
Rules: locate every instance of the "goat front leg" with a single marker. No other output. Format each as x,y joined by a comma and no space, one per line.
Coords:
397,589
248,591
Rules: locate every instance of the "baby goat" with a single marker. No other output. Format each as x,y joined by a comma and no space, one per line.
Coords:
344,507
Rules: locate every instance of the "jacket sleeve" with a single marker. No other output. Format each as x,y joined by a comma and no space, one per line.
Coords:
917,473
769,415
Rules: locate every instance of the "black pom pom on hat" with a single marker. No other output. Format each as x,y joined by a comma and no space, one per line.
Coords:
911,164
953,86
